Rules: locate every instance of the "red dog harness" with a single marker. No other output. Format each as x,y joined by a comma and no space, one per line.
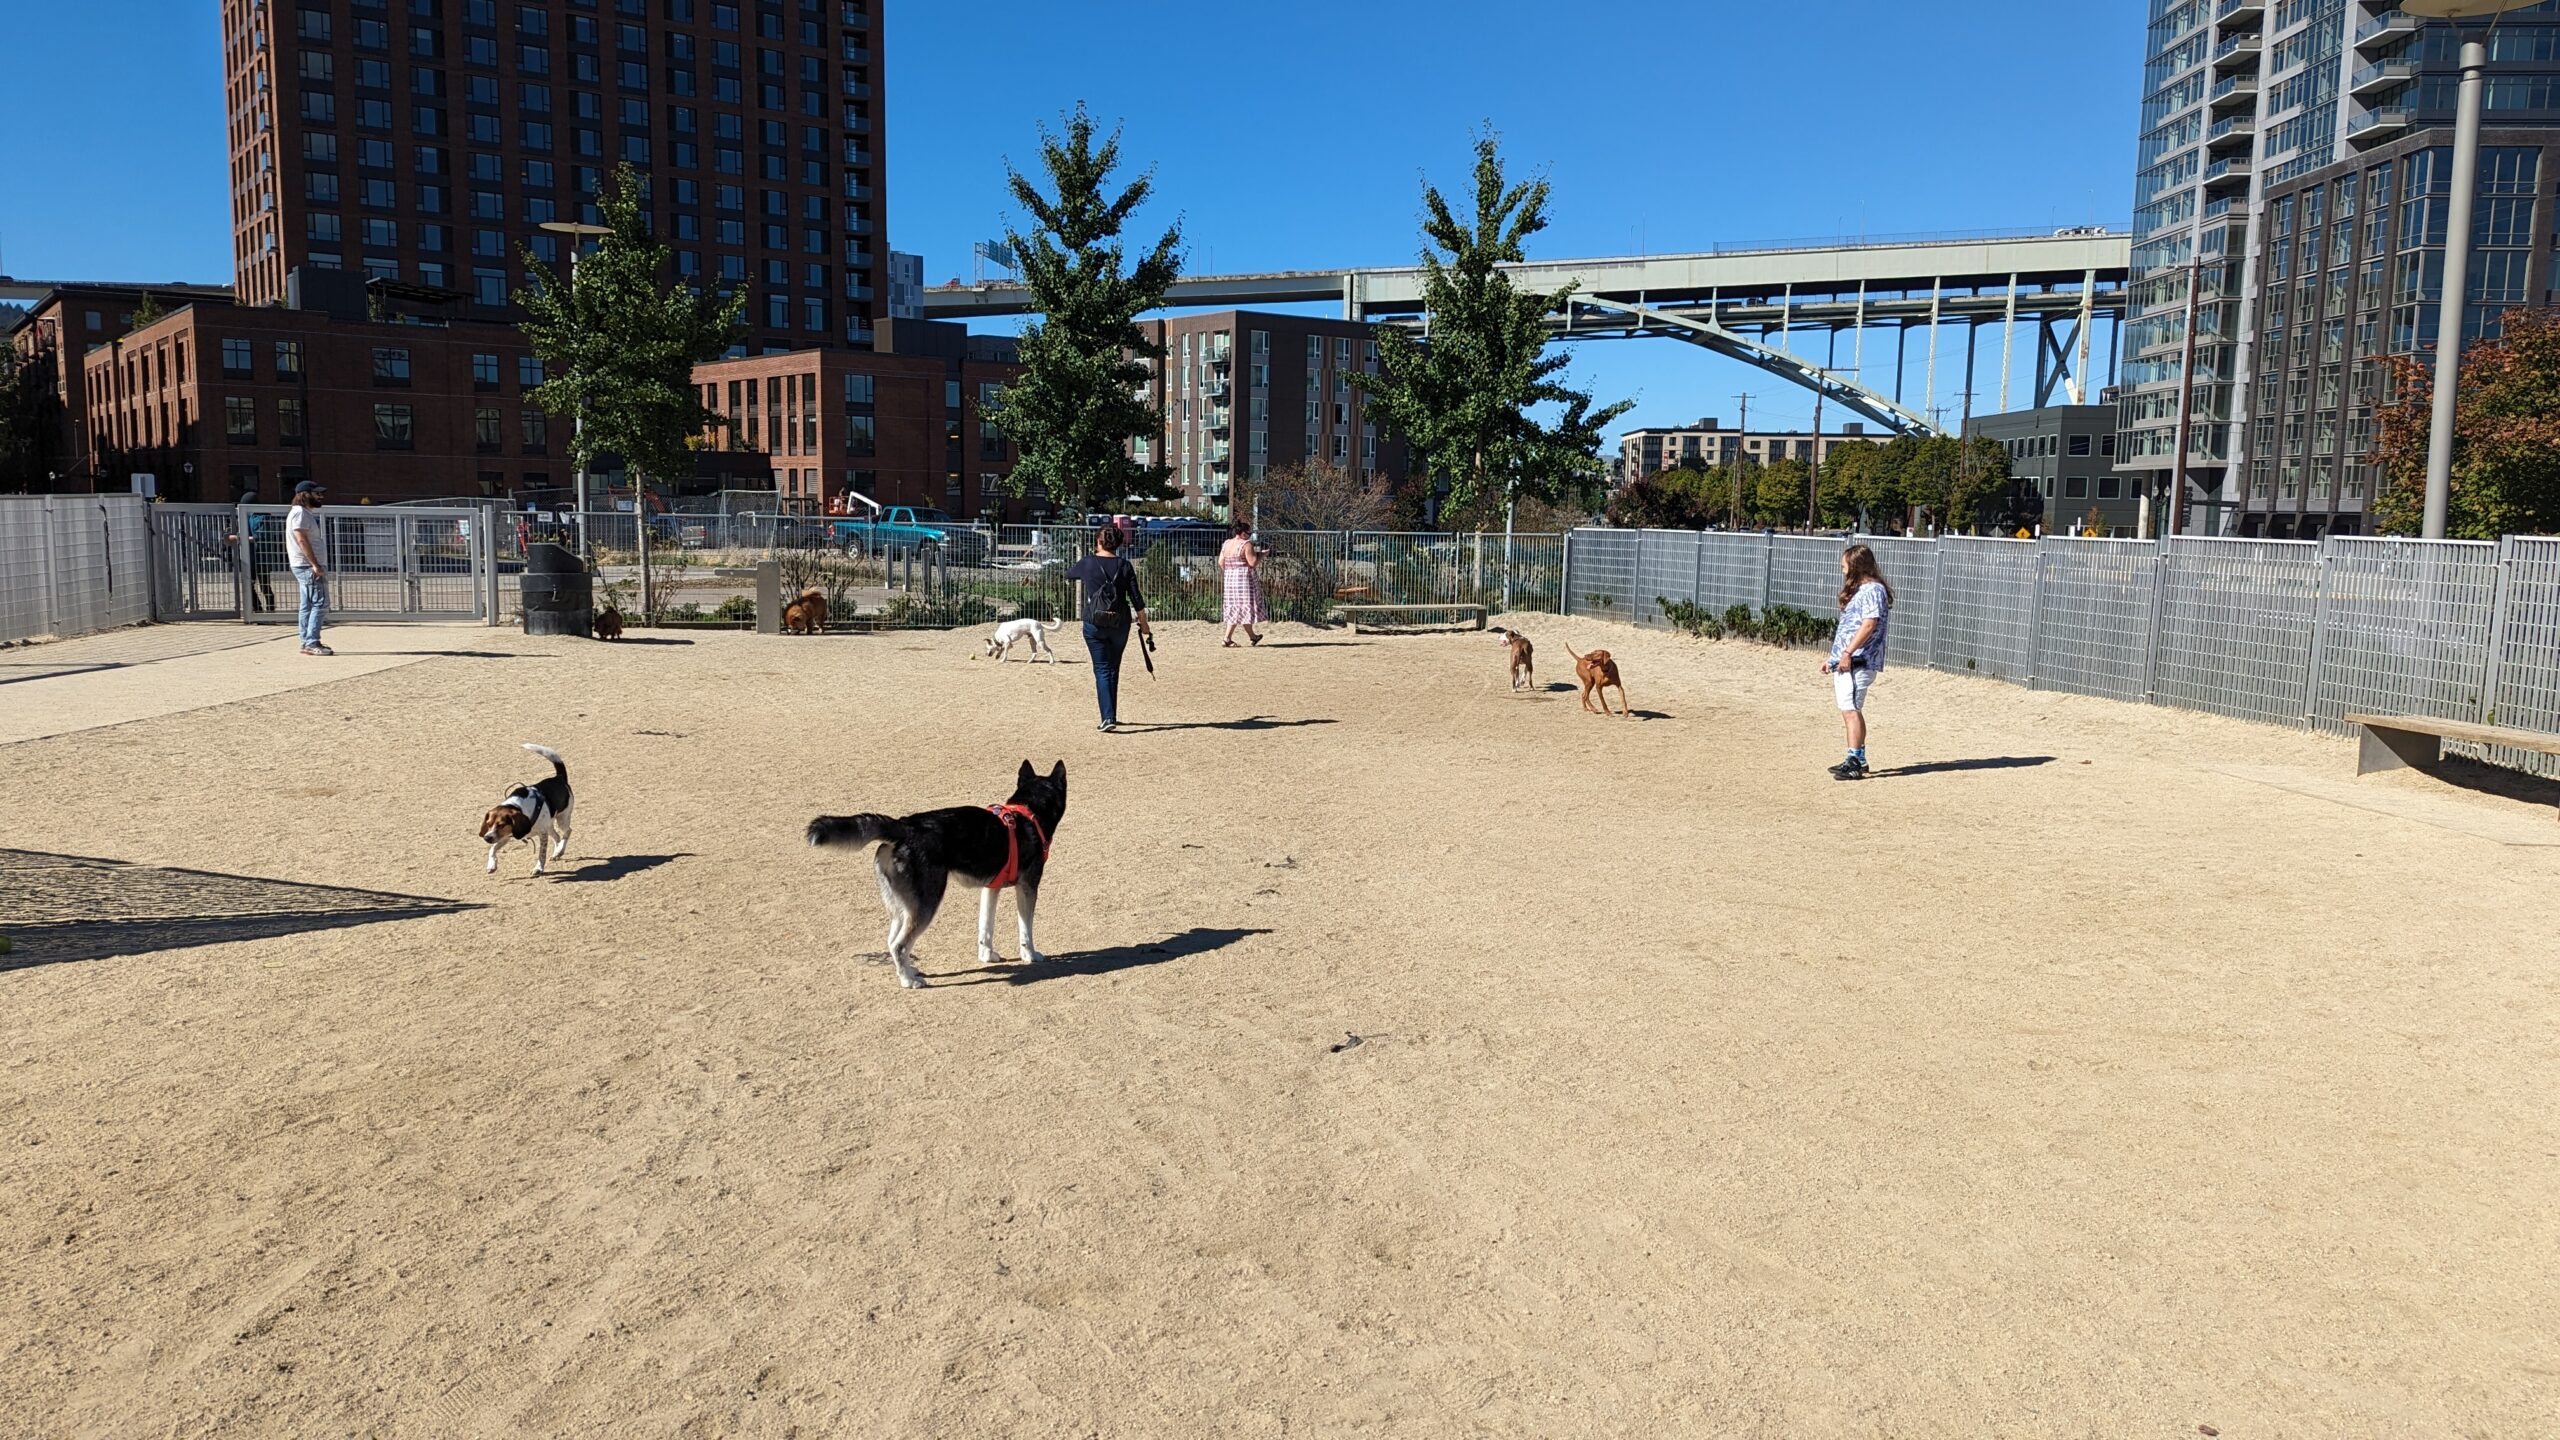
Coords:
1013,842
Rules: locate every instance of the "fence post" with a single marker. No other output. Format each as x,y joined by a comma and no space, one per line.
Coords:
2319,638
47,615
2158,618
1564,576
2497,631
2036,611
1937,593
1768,572
1636,580
244,562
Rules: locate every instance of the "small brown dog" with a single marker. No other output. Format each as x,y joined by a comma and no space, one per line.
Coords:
608,624
1523,670
1598,672
806,615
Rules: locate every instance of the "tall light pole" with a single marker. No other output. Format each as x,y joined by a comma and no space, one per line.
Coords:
579,232
2457,244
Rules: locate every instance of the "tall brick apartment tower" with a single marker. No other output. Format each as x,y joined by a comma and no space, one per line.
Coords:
424,142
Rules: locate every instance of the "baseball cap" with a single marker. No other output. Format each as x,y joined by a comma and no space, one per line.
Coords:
310,487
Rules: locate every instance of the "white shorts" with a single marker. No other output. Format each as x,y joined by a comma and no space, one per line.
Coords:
1849,687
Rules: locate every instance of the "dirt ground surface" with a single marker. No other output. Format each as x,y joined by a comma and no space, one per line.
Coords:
1416,1059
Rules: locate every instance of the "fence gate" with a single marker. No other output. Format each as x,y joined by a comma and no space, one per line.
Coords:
390,562
195,563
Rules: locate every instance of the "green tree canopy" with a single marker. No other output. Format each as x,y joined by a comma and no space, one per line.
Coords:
2506,448
1079,401
1848,473
619,341
1463,396
1779,493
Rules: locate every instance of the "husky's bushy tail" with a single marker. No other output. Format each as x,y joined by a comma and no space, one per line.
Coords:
855,830
559,766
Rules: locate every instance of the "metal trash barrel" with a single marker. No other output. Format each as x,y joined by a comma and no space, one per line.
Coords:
558,593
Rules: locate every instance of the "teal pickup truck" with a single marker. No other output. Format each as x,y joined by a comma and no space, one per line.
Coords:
911,527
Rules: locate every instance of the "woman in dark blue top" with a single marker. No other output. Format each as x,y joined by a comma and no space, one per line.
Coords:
1109,589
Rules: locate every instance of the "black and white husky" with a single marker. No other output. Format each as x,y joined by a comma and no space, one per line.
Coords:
537,814
989,847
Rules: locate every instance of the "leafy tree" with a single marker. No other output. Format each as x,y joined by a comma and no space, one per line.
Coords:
1847,472
1463,397
1077,405
619,343
2506,446
1313,495
1673,500
1779,491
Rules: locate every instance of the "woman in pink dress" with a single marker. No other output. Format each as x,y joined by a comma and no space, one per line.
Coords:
1242,566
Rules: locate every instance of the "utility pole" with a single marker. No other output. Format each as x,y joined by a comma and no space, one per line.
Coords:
1742,438
1813,482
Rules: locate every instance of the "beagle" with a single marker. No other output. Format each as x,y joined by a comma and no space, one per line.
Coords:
537,814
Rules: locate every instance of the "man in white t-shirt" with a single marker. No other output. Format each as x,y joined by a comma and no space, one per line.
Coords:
305,542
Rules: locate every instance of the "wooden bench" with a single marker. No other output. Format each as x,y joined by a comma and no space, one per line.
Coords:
1354,613
2395,742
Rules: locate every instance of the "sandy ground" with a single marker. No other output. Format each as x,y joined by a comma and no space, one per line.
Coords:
2059,1084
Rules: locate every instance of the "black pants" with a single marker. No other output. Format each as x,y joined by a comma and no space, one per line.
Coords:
1107,641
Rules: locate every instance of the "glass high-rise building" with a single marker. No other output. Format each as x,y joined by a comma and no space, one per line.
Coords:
425,142
2293,167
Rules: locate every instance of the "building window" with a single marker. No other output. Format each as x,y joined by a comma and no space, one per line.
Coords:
390,367
393,428
487,431
537,431
484,372
240,420
289,418
236,360
528,371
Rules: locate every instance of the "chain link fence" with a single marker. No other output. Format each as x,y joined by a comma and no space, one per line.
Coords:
2288,632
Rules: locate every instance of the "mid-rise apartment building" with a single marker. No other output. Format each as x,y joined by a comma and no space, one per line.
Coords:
1711,443
2250,110
427,142
1245,393
904,424
53,338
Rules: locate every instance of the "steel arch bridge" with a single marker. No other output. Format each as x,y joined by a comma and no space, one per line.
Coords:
1749,303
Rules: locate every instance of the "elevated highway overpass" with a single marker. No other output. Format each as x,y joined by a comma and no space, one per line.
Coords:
1750,303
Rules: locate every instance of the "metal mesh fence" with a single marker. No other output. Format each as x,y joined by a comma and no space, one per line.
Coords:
2524,691
2404,629
1732,570
1600,574
1986,607
1668,569
1804,571
1911,568
72,564
2093,620
2235,626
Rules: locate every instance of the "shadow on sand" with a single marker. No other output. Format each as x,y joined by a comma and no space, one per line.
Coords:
1195,941
59,908
1942,767
618,866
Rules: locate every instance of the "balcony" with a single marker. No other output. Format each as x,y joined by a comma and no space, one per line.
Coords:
856,290
2237,51
1214,488
856,18
857,54
2388,26
2372,80
2375,126
2234,89
2233,132
856,155
1217,421
1217,457
2227,177
2237,10
1215,387
2216,209
859,259
858,224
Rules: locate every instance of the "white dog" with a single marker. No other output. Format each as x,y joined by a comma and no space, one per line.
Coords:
1014,632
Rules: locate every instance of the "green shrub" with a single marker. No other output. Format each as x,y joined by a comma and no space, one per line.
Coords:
736,607
1690,618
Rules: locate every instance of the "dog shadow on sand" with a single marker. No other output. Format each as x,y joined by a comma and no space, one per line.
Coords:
616,867
1250,722
1199,940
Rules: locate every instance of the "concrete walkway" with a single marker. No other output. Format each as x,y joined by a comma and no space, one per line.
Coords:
151,670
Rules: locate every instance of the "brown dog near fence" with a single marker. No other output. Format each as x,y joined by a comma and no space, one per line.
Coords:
608,624
1598,672
806,615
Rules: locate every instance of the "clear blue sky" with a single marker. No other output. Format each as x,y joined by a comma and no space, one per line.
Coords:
1283,135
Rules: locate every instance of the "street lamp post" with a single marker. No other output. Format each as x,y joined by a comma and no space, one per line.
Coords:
2457,245
579,232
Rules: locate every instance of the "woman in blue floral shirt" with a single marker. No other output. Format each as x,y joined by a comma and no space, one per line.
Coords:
1857,650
